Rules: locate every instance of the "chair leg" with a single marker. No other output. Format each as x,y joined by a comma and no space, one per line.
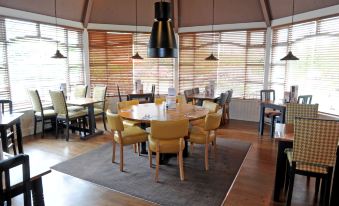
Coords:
272,126
150,156
157,163
13,141
56,128
42,127
104,120
121,157
290,187
135,148
206,156
113,154
181,166
35,122
67,130
317,186
191,147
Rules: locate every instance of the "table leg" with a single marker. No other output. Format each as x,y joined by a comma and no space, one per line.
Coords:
185,151
19,137
335,185
262,119
91,119
38,193
4,139
280,169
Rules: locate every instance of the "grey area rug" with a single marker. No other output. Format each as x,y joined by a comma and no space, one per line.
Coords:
199,188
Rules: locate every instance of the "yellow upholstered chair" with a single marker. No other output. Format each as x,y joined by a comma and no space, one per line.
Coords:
207,134
167,137
124,136
180,99
212,108
63,115
126,105
159,100
99,93
313,153
40,114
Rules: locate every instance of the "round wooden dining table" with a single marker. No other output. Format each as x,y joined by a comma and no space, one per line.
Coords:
151,111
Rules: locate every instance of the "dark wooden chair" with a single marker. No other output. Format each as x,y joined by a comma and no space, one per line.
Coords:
153,93
305,99
188,93
227,105
8,191
196,90
222,103
7,105
269,95
119,95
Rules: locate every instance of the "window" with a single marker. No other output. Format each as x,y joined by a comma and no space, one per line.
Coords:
316,44
25,60
111,63
240,67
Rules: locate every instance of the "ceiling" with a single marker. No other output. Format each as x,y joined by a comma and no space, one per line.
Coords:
189,12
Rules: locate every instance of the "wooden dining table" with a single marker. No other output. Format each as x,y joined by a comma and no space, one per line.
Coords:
144,113
285,140
89,103
203,96
8,120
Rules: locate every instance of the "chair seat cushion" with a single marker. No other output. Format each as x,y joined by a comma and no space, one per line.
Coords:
97,111
272,113
47,113
303,166
73,114
166,146
74,108
130,123
131,135
198,135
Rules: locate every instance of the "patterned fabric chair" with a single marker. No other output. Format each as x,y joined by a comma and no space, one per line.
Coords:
300,110
63,115
207,134
305,99
127,105
99,93
124,136
314,152
40,114
167,137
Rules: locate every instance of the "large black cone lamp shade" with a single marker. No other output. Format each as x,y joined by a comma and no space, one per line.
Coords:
162,42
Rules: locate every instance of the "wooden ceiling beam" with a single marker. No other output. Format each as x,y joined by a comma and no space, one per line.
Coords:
266,10
87,12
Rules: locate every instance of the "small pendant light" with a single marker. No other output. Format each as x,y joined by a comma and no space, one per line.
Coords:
290,55
136,55
57,54
211,57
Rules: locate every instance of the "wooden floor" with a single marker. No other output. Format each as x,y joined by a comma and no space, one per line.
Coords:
253,185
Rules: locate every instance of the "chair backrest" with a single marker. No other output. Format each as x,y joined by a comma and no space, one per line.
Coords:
80,91
153,93
196,90
211,106
127,104
119,95
223,98
114,121
315,141
188,93
5,183
305,99
267,95
212,121
173,129
159,100
6,103
35,100
229,97
300,110
99,93
59,102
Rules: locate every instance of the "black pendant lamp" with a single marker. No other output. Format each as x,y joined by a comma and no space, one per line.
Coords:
136,55
290,55
57,54
162,43
211,57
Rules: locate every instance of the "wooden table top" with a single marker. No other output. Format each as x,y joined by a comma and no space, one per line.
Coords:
152,111
82,101
8,118
203,96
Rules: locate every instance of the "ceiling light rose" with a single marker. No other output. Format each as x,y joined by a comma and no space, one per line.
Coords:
211,57
290,55
136,56
162,43
57,54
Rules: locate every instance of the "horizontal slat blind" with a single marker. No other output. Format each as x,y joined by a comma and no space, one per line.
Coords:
240,66
159,72
28,50
316,44
110,60
4,79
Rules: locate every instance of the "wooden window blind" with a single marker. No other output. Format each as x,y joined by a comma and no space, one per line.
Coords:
111,63
241,61
159,72
316,44
110,60
26,50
